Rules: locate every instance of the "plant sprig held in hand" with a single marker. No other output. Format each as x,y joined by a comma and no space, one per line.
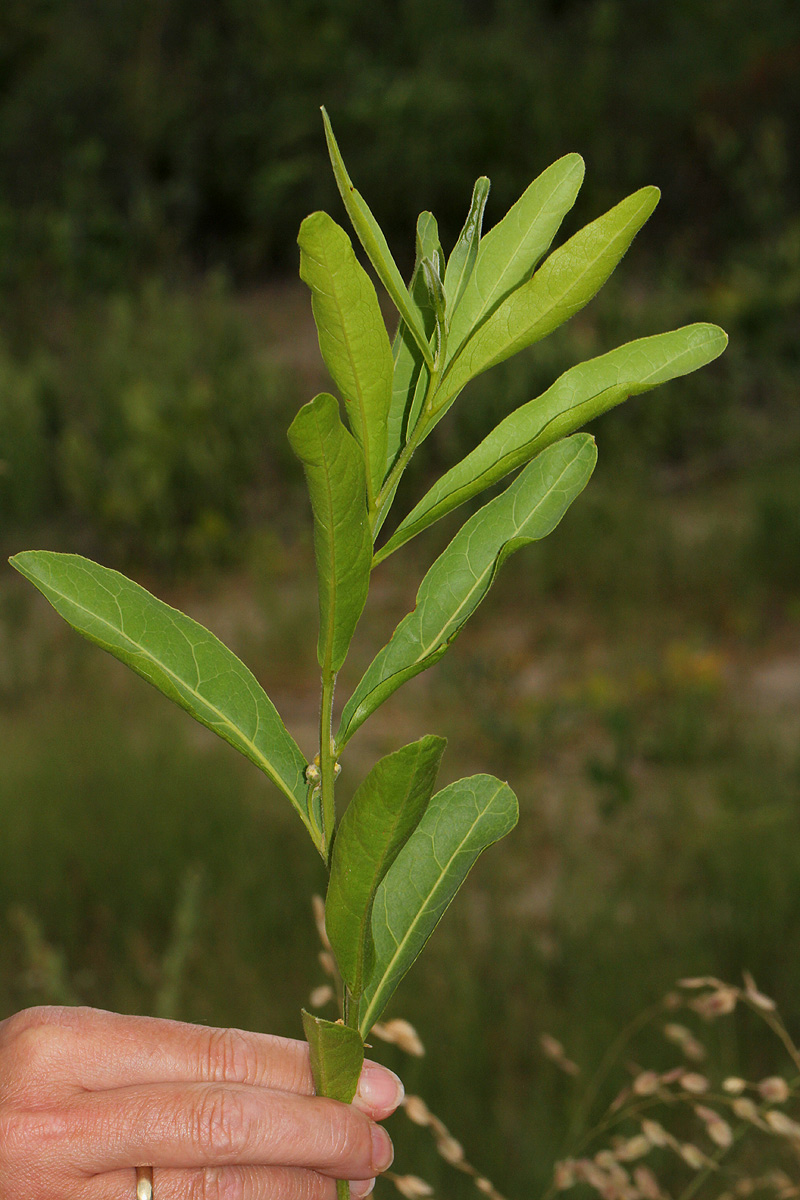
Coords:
401,849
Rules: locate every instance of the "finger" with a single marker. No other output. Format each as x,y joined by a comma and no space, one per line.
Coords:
94,1050
217,1183
51,1047
216,1125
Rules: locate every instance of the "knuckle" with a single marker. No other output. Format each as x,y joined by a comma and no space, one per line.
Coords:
36,1047
217,1183
31,1044
222,1126
30,1018
231,1056
26,1136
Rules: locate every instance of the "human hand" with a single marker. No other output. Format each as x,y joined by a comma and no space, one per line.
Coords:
86,1096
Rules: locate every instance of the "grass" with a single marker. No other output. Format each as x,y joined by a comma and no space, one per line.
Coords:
636,679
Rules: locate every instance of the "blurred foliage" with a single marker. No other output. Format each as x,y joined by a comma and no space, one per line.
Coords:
134,132
163,141
146,420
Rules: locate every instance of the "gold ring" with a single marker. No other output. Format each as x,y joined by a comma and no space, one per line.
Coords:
144,1183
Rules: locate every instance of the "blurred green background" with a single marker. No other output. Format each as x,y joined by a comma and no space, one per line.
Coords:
637,678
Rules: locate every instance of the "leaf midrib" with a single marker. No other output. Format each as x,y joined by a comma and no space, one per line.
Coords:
366,922
431,894
365,440
428,649
475,340
489,301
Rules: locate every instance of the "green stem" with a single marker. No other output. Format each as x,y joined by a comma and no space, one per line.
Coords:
342,1189
327,762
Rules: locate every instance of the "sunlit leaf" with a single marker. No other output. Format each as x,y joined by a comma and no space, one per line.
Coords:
510,250
334,468
565,282
352,335
461,576
179,657
577,396
409,365
461,262
372,239
380,818
459,823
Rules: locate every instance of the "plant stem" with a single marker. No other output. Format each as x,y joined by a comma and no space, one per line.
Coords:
327,762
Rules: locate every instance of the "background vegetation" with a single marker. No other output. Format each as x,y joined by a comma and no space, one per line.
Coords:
637,679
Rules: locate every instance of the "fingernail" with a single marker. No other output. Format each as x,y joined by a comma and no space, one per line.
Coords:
379,1088
382,1149
362,1187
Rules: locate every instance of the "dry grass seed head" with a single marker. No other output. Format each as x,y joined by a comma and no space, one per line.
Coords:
553,1049
563,1175
734,1086
327,962
417,1110
450,1150
695,1084
718,1003
646,1083
757,998
784,1126
745,1109
774,1088
717,1127
318,909
402,1034
411,1186
694,1157
656,1134
632,1148
683,1037
321,996
646,1182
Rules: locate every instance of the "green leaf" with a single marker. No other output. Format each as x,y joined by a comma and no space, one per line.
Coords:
453,588
409,365
376,825
337,1056
352,335
334,468
179,657
509,251
428,242
577,396
459,823
372,239
435,289
564,283
461,262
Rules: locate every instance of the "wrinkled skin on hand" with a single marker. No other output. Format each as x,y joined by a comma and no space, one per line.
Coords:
221,1114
